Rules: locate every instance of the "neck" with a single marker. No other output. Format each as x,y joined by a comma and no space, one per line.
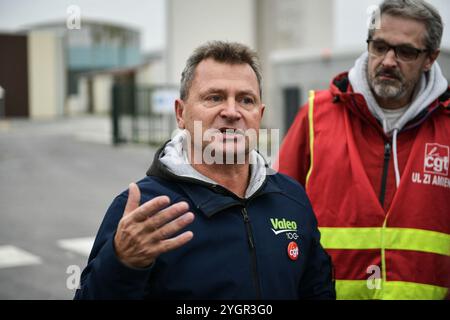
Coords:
234,177
392,104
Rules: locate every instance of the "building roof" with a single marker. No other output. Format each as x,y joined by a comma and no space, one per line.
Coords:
56,24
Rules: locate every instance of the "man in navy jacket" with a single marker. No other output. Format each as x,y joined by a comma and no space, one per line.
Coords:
210,220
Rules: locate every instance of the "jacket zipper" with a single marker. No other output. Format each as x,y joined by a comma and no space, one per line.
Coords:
251,244
387,157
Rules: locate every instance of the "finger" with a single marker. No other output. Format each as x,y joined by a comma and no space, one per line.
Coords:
134,197
166,215
167,230
174,243
150,207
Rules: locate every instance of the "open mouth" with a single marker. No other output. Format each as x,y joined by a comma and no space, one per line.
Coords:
231,133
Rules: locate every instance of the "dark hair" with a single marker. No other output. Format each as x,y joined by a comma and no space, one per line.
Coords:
220,51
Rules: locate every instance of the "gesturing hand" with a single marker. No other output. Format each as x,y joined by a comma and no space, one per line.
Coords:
144,231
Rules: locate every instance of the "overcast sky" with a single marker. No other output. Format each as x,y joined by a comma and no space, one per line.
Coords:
146,15
149,16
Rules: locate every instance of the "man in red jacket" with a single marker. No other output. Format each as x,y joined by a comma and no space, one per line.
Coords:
373,155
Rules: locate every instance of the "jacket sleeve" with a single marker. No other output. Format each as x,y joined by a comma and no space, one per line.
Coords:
318,280
105,276
294,155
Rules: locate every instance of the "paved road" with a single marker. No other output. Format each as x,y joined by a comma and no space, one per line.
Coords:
57,179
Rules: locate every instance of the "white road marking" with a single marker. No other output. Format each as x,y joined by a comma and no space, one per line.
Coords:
81,246
11,256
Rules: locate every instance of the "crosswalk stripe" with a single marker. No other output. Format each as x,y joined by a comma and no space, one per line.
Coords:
81,246
11,256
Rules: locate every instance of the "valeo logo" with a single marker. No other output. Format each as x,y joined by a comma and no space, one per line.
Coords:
283,225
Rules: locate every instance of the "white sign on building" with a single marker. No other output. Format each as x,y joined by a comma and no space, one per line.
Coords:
163,100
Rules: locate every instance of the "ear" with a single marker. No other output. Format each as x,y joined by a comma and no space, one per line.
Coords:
263,107
179,110
430,60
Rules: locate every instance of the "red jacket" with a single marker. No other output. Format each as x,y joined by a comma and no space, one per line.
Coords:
339,152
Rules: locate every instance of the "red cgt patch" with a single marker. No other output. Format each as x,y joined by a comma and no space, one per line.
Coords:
292,250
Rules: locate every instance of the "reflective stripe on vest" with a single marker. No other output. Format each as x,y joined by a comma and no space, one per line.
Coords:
311,133
386,238
389,290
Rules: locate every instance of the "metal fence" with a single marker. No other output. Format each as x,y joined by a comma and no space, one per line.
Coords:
137,115
2,102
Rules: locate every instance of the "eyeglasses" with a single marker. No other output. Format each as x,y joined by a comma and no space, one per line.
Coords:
403,52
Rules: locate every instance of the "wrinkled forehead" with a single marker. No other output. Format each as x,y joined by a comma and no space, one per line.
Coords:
398,30
210,72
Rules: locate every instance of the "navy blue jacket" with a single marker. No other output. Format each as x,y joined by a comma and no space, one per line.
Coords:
239,249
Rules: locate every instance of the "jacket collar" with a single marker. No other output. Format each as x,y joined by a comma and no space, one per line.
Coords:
214,198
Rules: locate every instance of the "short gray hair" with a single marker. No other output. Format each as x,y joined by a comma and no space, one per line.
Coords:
220,51
418,10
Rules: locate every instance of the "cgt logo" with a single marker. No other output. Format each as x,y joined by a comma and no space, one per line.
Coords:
436,159
292,251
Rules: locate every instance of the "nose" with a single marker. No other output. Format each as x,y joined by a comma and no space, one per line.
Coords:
390,60
230,110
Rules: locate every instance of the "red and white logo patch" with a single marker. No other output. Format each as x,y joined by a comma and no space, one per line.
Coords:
292,250
436,159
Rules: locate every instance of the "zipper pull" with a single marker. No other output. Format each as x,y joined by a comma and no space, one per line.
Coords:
387,151
245,215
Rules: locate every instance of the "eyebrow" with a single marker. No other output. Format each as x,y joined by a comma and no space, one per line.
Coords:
395,45
223,92
212,90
